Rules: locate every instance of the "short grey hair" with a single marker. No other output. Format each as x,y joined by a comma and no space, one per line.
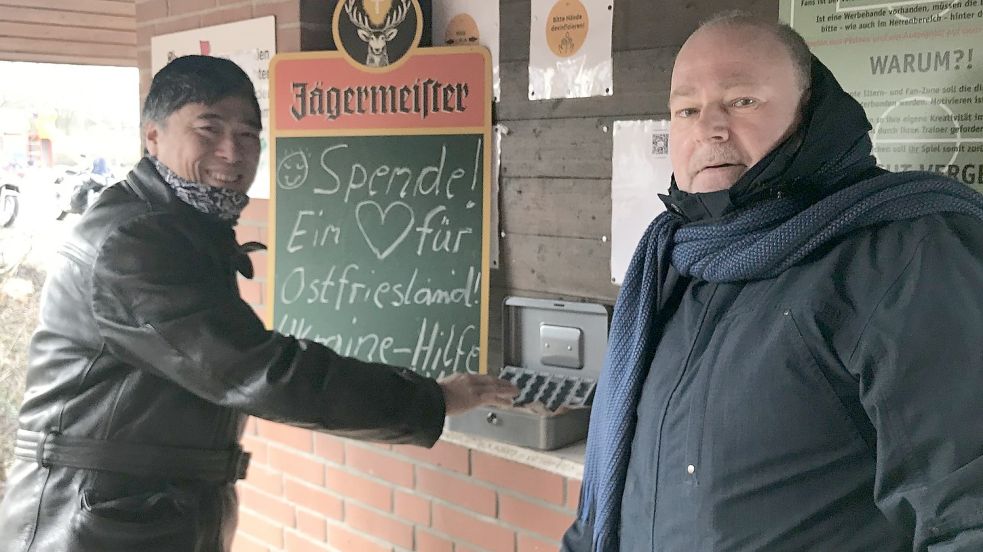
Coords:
789,37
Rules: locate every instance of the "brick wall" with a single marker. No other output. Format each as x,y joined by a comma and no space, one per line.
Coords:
308,491
252,227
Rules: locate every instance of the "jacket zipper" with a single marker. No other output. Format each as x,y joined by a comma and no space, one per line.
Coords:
665,408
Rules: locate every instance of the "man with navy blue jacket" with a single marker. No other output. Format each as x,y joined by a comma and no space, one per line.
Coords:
795,360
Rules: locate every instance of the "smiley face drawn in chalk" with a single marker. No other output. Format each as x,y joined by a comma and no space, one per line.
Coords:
292,171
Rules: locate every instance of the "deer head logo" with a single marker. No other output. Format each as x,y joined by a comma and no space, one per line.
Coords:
377,35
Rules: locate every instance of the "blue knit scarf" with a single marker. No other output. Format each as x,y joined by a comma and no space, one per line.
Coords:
758,242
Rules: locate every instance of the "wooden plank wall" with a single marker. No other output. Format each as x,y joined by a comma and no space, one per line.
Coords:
87,32
556,159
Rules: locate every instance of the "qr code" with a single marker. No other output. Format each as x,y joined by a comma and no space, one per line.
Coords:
660,143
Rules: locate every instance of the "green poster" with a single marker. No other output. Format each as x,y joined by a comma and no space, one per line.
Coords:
916,68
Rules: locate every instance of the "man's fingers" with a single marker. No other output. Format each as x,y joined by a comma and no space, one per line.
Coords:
466,391
503,395
498,389
500,395
502,387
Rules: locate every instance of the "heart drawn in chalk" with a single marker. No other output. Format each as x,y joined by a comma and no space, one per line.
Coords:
380,227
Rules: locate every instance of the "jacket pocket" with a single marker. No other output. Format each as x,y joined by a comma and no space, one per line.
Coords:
162,521
837,384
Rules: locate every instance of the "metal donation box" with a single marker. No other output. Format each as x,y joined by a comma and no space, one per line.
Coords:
553,352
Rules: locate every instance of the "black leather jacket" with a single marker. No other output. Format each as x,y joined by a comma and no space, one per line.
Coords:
145,364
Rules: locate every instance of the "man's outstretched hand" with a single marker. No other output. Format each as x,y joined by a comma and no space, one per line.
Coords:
462,392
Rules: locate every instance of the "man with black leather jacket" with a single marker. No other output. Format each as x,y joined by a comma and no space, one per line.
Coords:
147,362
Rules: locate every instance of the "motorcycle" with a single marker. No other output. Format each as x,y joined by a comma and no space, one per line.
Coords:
75,190
10,180
9,203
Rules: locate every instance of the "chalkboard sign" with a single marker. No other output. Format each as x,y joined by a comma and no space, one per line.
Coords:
379,246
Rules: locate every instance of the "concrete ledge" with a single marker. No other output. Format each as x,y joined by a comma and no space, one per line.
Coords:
566,462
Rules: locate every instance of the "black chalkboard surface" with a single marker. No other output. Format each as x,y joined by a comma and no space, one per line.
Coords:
378,244
380,206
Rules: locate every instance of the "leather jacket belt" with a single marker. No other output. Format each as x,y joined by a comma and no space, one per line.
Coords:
154,461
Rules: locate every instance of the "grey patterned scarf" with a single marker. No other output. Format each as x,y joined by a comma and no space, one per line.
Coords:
222,203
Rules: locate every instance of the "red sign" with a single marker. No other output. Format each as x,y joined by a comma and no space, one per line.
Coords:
444,88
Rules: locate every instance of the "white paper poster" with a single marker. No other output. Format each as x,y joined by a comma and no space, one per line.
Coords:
911,65
570,49
251,44
469,22
640,171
